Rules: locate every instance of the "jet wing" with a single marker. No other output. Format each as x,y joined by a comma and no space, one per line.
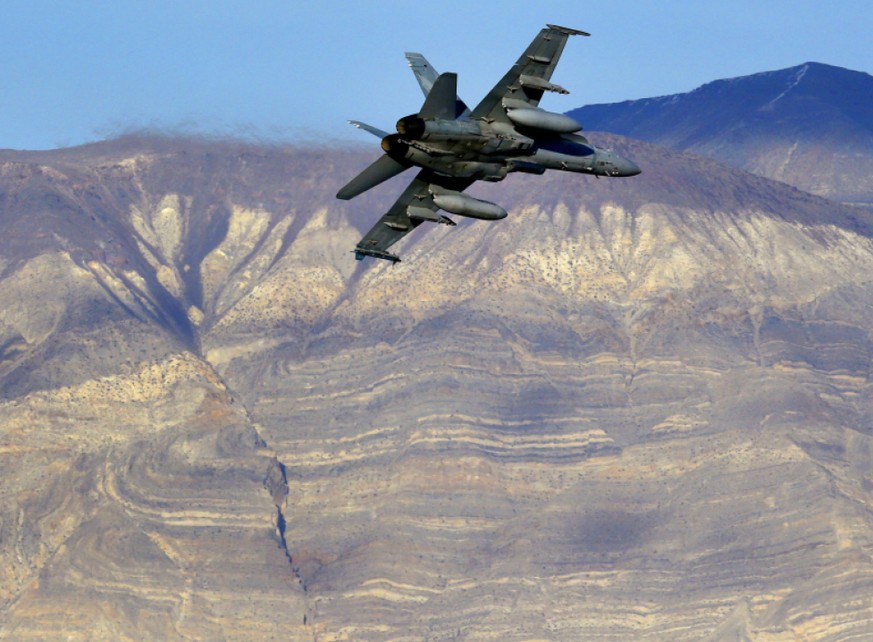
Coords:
414,207
527,80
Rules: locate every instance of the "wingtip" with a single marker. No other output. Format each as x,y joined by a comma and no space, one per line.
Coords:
567,30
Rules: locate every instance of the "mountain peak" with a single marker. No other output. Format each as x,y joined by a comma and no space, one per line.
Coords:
810,126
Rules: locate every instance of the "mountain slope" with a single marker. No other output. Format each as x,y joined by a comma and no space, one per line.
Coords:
633,409
810,126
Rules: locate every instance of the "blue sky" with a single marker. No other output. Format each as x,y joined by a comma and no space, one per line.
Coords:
78,71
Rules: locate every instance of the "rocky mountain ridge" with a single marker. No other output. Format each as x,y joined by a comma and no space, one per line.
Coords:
632,409
810,126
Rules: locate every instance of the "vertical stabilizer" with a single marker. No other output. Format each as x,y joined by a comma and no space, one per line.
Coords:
426,76
424,72
440,102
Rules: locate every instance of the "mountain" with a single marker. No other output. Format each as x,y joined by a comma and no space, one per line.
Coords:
810,126
634,409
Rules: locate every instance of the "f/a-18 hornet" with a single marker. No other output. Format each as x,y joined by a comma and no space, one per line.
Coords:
455,147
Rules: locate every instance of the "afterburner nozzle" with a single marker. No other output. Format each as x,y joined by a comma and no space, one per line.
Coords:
411,127
394,147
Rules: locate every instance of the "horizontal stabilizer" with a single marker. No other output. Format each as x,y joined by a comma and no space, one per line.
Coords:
369,128
380,171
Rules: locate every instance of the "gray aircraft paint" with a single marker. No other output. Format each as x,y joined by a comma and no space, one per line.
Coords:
454,147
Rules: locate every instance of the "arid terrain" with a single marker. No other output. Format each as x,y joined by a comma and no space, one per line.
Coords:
635,409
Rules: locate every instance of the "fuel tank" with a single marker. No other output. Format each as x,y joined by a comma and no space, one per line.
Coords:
542,119
464,205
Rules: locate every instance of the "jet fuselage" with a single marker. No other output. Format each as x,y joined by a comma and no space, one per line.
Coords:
471,149
454,146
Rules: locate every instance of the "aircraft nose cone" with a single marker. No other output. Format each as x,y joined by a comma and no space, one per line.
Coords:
628,168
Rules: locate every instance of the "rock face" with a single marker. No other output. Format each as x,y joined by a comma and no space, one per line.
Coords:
634,409
810,126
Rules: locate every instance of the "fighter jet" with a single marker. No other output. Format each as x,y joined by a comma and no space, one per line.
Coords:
455,147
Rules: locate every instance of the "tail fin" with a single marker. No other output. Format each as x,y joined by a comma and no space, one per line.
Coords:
440,101
426,76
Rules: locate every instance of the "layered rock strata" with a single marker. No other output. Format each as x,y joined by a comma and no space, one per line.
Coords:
634,409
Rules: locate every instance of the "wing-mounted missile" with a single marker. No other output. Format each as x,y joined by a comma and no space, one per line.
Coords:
535,82
417,213
463,205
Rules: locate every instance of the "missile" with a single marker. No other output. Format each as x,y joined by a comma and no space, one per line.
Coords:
542,119
464,205
424,214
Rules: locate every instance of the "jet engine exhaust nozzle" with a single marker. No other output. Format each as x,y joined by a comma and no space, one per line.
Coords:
418,128
411,127
394,147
